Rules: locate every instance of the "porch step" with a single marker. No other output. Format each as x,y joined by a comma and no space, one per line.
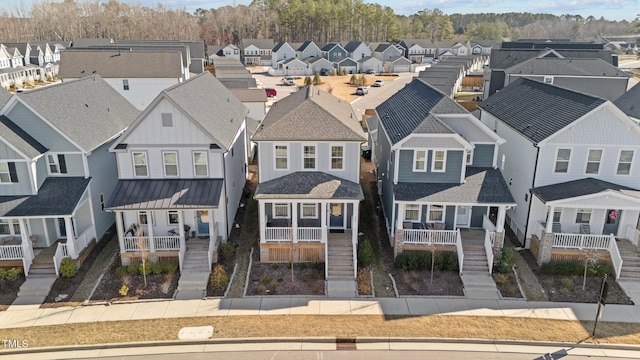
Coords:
34,290
630,271
479,285
192,285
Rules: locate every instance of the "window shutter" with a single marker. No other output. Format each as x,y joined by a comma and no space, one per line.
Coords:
12,172
62,163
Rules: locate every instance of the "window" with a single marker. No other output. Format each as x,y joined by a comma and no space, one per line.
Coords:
583,216
54,166
419,160
439,159
173,217
412,212
140,164
557,212
337,157
469,157
593,161
309,211
170,161
436,213
282,157
280,211
4,227
143,218
309,155
624,162
5,175
167,120
562,160
102,202
200,167
548,79
125,84
16,227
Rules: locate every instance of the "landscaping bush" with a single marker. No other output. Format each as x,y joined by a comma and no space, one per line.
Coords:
365,256
122,270
169,267
145,270
316,79
421,260
568,268
227,250
68,268
132,269
155,268
10,274
219,278
353,80
506,261
449,261
307,81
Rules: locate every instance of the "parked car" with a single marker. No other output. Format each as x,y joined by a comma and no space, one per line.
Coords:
288,81
271,92
325,72
362,90
370,71
378,83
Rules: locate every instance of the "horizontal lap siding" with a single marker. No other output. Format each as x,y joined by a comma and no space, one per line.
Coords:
483,155
451,175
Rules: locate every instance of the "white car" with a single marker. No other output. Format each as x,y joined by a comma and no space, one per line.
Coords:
378,83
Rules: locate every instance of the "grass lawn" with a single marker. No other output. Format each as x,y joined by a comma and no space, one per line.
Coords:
493,328
340,85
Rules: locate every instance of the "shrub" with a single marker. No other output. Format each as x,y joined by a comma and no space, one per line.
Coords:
353,80
307,81
275,266
566,282
365,257
68,268
316,79
568,268
506,261
132,269
122,271
449,262
169,267
146,269
362,80
219,278
265,279
124,290
156,268
10,274
500,278
227,250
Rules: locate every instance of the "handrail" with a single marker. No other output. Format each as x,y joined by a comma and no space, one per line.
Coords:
488,248
183,250
487,224
309,234
213,244
614,254
61,253
27,251
633,235
11,252
281,234
459,250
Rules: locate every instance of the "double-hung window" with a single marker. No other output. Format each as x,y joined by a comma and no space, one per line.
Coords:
173,217
140,164
624,162
593,161
438,161
282,157
170,161
200,167
337,157
309,157
5,174
436,213
562,160
280,211
56,164
420,160
309,211
412,212
583,216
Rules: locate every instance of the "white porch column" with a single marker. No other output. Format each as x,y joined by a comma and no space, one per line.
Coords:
212,224
502,211
294,221
354,222
71,238
261,217
549,227
323,221
181,227
401,210
25,237
152,243
120,230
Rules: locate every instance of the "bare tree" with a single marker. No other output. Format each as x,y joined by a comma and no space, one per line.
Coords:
142,250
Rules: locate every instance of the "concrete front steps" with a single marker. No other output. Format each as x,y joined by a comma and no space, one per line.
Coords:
479,285
34,290
195,271
629,279
475,258
340,273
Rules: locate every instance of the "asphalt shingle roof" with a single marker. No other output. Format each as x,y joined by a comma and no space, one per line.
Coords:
629,102
120,64
481,186
538,110
89,111
19,138
309,185
581,187
4,96
259,43
58,196
166,194
557,66
410,110
352,45
310,114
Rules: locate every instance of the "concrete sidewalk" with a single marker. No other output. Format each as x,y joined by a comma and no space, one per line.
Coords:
31,315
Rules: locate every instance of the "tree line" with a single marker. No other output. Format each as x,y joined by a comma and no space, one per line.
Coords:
286,20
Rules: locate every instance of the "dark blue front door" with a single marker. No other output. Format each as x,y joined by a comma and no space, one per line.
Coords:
203,222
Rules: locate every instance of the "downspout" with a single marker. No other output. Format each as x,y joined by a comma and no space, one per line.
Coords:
226,199
533,182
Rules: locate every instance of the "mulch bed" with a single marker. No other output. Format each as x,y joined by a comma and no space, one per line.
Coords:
418,282
228,265
569,289
275,278
158,286
507,285
9,292
364,282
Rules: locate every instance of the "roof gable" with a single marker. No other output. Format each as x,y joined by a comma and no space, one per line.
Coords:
19,140
628,102
537,110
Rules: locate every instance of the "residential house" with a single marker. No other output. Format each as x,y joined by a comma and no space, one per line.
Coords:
47,56
397,64
437,173
357,50
385,51
451,48
256,51
571,162
419,51
56,169
195,49
593,76
255,100
371,63
228,51
128,72
318,64
308,49
482,47
282,52
181,170
333,52
628,103
232,74
309,192
347,65
291,67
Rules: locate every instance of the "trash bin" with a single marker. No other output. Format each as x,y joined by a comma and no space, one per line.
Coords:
366,152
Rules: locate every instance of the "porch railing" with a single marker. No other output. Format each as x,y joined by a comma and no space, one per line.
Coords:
429,237
166,243
82,241
633,235
11,252
27,251
487,224
310,234
213,244
183,250
61,253
488,248
280,234
614,254
131,243
459,251
581,241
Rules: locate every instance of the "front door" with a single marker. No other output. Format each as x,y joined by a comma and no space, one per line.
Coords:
62,228
203,222
462,216
611,222
336,216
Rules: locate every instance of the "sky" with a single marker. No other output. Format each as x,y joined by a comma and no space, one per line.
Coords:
609,9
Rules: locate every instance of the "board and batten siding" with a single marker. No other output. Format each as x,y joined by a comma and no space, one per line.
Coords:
104,177
385,176
452,173
39,130
351,159
234,177
519,156
585,135
23,186
483,155
156,165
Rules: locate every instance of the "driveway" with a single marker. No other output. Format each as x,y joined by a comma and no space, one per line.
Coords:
267,81
378,95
